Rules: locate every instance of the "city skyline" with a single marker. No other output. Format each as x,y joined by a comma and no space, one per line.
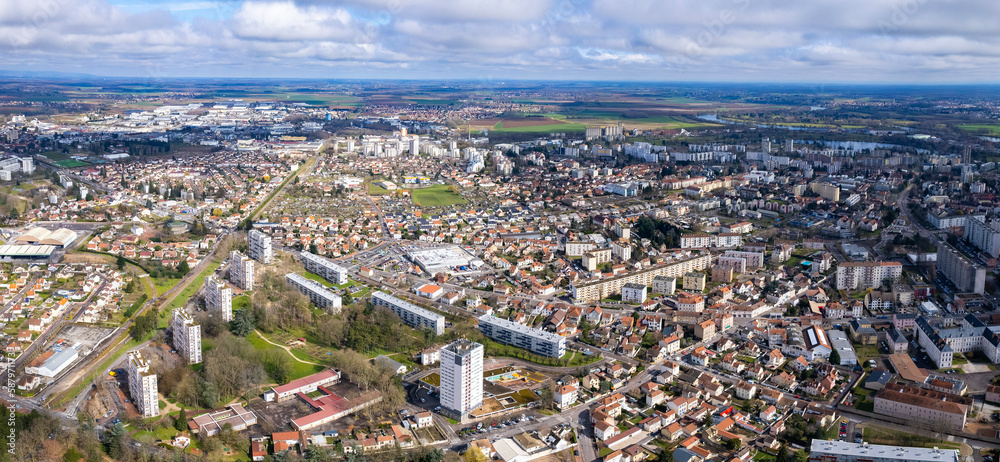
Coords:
909,41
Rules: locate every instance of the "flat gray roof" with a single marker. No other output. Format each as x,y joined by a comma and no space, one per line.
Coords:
877,451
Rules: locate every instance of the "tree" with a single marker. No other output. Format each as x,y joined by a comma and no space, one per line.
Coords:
243,323
834,357
734,444
665,455
473,454
181,423
113,440
183,268
121,262
782,453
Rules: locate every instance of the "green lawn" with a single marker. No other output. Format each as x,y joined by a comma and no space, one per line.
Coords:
989,129
299,370
193,287
162,285
436,196
71,163
899,438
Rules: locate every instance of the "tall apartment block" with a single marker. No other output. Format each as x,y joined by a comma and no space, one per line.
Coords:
241,270
142,385
961,271
462,376
260,246
323,267
187,336
985,236
219,298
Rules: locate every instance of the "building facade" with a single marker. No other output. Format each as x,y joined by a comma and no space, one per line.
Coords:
511,333
241,270
142,385
462,376
964,273
411,314
324,268
187,336
260,246
219,298
865,274
318,294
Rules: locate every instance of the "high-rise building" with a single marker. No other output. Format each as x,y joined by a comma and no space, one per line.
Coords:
219,298
462,376
187,336
985,236
260,246
142,385
964,273
241,270
325,268
765,145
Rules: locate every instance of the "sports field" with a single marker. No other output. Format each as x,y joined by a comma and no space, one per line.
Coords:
436,196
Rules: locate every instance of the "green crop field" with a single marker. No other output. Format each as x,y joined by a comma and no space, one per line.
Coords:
555,128
989,129
436,196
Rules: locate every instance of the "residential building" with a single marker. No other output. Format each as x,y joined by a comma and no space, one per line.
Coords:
142,385
521,336
323,267
601,289
634,293
664,285
187,336
695,281
219,298
985,236
462,377
260,246
594,258
970,334
241,270
961,271
865,275
411,314
318,294
920,405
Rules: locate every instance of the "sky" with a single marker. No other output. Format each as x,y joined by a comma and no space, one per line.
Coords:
863,41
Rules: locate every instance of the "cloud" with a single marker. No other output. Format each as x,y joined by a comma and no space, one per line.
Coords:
777,40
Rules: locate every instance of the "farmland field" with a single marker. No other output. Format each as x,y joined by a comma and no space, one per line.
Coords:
436,196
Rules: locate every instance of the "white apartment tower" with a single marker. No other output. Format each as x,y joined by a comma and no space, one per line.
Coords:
462,376
187,336
219,298
260,246
142,385
241,270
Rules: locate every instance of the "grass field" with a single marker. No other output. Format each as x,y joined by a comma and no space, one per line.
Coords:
436,196
988,129
181,298
71,163
299,370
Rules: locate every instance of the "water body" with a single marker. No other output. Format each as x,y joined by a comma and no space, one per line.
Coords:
990,138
